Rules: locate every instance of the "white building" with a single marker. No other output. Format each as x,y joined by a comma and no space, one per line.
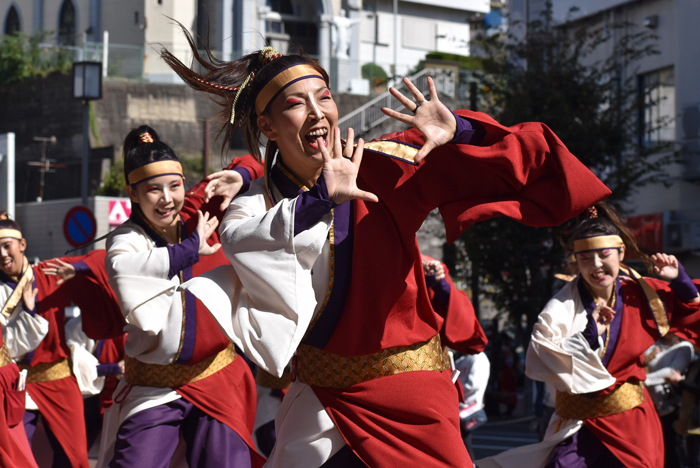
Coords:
342,34
667,217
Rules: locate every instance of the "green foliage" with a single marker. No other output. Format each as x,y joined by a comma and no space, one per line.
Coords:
372,71
113,180
467,63
22,56
552,76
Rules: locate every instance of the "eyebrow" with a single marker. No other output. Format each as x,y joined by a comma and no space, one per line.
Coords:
303,95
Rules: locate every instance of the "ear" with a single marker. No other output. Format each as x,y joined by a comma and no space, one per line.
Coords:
266,127
622,253
22,245
132,194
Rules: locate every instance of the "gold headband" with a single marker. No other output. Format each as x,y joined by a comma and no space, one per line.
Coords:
281,81
155,169
598,243
13,233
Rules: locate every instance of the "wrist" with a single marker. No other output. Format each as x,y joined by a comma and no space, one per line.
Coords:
683,287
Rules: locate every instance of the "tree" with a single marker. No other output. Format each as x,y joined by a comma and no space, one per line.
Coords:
551,75
23,56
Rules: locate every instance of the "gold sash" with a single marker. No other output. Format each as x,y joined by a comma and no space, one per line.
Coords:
47,372
5,358
175,375
623,398
16,296
316,367
655,303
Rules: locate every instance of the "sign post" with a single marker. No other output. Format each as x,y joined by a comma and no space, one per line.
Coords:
7,173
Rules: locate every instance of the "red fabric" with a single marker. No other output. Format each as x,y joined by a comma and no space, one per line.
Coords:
635,436
229,396
461,330
61,404
195,196
13,454
112,351
408,419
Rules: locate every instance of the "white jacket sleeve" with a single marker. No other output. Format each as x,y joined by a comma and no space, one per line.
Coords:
22,332
559,354
84,362
265,302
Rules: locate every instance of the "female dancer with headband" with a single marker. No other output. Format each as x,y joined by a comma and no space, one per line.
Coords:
326,270
177,360
587,345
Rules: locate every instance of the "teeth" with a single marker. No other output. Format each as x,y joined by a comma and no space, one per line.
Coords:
319,132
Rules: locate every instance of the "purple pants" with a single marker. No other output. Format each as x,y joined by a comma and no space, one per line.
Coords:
150,437
31,419
582,450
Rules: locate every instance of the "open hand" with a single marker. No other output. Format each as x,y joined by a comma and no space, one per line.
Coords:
29,296
64,270
603,316
432,118
665,266
226,183
341,167
205,228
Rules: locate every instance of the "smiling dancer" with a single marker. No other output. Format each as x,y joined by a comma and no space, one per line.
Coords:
178,363
325,249
587,346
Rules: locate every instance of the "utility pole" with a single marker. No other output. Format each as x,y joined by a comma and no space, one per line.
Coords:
45,165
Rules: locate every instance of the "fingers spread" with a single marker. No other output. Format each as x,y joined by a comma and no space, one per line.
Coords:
407,103
415,91
407,119
349,144
423,152
366,196
432,90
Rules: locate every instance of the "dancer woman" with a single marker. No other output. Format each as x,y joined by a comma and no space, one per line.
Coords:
177,360
326,251
587,345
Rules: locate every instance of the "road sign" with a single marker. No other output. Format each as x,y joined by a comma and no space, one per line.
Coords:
79,226
119,211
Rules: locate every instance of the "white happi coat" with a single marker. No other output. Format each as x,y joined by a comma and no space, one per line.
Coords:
84,362
264,304
560,356
21,332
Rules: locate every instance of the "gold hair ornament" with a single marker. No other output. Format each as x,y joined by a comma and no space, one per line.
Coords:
146,138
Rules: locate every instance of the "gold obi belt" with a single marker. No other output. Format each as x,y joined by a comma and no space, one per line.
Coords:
623,398
47,372
319,368
175,375
267,380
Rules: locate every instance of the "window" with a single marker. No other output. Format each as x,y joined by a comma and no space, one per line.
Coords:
657,116
66,24
12,25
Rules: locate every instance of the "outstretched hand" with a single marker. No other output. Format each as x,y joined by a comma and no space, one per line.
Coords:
226,183
665,266
341,167
205,228
432,118
29,294
64,270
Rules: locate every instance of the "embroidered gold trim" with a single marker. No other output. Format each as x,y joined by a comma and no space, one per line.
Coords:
267,380
655,303
597,243
316,367
27,276
154,169
393,148
624,398
175,375
47,372
5,357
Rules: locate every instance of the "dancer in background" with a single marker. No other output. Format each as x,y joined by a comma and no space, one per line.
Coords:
52,391
326,266
587,345
182,374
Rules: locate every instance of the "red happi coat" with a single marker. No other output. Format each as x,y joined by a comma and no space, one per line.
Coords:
14,452
635,436
60,401
523,172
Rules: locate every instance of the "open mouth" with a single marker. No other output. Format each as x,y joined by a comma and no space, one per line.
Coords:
313,135
7,264
598,275
164,212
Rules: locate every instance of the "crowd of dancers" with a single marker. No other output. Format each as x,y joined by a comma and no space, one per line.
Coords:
302,273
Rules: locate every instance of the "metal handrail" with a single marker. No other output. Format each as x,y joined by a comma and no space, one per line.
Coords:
369,115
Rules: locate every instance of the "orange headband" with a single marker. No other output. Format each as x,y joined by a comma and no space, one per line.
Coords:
598,243
283,79
155,169
13,233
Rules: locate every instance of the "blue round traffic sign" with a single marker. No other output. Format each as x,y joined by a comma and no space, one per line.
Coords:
79,226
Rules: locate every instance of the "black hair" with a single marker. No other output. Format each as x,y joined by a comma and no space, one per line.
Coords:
140,150
8,223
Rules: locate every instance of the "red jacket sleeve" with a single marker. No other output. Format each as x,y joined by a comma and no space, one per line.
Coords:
524,172
195,196
461,330
684,317
90,290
